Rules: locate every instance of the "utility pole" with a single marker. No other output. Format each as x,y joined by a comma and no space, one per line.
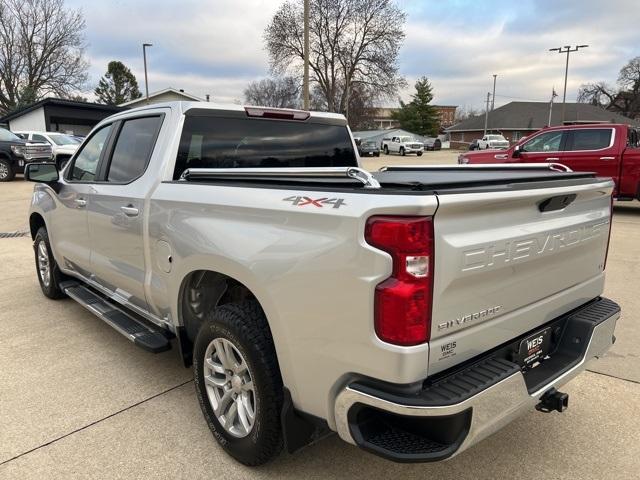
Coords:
566,49
493,97
146,80
486,113
305,81
553,95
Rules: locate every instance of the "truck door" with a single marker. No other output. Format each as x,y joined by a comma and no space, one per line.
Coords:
545,147
593,150
116,210
69,228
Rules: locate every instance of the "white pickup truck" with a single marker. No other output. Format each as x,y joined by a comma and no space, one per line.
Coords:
402,145
414,311
492,141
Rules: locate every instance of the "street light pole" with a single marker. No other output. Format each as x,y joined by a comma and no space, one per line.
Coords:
486,114
146,79
493,97
566,49
305,81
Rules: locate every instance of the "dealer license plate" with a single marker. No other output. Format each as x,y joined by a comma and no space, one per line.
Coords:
534,348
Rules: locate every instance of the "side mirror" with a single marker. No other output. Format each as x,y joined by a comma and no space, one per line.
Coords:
41,172
516,151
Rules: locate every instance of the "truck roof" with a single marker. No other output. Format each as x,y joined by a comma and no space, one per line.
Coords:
183,107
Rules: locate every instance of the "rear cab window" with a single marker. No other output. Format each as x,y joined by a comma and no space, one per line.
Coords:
589,139
237,141
133,148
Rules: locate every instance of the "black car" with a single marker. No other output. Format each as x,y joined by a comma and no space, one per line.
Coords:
432,143
474,145
15,152
368,149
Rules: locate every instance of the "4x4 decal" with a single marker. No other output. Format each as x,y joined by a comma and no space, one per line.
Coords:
300,201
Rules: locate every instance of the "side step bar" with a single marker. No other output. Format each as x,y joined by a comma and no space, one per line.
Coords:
138,331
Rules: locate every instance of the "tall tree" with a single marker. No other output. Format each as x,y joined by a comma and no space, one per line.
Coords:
624,98
118,85
280,92
419,116
352,43
41,51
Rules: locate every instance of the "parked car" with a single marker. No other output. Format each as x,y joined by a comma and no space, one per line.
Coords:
414,311
367,148
15,152
402,145
63,146
610,150
492,141
432,143
473,145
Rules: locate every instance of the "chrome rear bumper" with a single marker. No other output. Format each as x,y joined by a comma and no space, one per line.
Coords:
490,409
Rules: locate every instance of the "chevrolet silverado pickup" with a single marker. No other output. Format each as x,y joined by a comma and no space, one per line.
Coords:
414,310
402,145
492,142
609,150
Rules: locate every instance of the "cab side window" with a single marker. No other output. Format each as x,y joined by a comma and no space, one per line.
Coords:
545,142
85,165
133,149
590,139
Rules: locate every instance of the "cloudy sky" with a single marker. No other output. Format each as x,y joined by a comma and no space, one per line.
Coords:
216,46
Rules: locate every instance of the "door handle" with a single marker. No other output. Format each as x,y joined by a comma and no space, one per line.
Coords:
607,158
130,211
81,202
553,159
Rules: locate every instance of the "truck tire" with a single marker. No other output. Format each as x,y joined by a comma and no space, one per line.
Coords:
402,151
7,172
49,275
386,150
238,382
419,154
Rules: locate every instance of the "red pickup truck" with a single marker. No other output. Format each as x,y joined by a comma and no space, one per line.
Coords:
610,150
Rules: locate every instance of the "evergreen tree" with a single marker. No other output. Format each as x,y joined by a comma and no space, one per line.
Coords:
118,85
419,116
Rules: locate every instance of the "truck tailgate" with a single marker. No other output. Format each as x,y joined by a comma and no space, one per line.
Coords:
506,262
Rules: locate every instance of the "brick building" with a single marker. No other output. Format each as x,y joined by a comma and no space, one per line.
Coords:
383,119
520,119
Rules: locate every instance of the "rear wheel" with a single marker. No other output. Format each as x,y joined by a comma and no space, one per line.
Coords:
386,150
49,275
7,172
238,382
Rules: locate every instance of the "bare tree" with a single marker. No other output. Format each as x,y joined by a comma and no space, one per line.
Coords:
41,51
623,99
280,92
352,43
465,113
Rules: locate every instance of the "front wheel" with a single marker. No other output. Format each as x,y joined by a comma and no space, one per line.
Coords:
238,382
419,154
386,150
7,172
402,151
49,275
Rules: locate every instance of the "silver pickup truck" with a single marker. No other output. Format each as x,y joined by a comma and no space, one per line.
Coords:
414,311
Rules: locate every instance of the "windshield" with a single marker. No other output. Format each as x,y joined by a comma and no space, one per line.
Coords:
61,139
406,139
495,137
7,136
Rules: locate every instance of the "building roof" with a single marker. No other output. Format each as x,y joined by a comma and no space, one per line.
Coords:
535,115
181,93
62,103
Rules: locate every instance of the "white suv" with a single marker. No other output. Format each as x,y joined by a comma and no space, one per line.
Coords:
63,146
492,141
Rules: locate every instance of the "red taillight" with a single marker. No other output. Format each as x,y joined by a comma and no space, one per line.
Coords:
403,301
